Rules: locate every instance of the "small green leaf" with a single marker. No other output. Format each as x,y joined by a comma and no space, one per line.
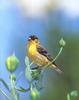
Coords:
27,61
27,70
28,74
5,84
22,89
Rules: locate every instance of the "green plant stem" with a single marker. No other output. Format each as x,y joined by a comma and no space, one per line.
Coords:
13,87
55,57
5,94
19,77
30,86
58,54
68,97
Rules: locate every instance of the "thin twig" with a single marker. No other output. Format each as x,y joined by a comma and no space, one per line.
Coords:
58,54
55,57
20,75
31,63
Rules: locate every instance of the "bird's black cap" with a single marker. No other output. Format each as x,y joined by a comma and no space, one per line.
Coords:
32,37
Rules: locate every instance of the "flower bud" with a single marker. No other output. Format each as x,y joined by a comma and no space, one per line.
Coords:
34,94
74,93
12,63
62,42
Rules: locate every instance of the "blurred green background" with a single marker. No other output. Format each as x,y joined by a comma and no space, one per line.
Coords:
57,86
50,20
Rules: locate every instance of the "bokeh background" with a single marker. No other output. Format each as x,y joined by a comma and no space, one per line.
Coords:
50,20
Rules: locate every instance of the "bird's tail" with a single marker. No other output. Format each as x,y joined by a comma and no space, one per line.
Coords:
55,67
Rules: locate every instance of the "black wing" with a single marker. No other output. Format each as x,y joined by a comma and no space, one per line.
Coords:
44,52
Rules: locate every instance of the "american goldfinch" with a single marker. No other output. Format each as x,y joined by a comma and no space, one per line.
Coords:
38,54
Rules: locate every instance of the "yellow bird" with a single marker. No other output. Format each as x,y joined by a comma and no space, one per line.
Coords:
38,54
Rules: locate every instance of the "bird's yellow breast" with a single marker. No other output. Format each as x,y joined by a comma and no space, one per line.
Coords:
35,56
32,50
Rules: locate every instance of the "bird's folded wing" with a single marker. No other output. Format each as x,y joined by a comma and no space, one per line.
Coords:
44,52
